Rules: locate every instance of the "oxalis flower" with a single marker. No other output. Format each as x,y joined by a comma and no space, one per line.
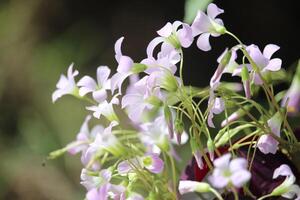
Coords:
286,189
207,25
99,186
87,84
104,142
267,143
84,137
216,105
150,161
141,99
126,67
229,172
66,84
172,34
105,108
262,60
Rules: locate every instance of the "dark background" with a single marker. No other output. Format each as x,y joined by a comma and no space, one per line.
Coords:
40,38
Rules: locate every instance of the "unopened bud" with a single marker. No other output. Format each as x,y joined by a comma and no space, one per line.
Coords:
210,148
168,117
179,128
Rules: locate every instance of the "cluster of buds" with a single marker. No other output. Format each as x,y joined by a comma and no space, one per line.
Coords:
152,115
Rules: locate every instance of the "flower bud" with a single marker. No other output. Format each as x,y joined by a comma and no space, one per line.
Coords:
179,128
210,148
236,115
168,117
246,82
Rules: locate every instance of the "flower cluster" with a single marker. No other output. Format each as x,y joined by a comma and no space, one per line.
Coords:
149,113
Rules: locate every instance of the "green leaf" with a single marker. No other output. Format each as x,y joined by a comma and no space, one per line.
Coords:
191,8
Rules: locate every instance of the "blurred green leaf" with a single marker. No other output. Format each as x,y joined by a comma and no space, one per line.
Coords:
191,8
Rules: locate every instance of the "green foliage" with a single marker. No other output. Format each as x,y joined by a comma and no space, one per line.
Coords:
191,8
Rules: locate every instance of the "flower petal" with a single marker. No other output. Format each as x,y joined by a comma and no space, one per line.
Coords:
203,42
87,84
124,167
240,177
267,144
165,31
283,170
185,35
157,164
238,164
213,10
100,95
201,23
274,65
257,56
151,46
102,75
223,161
125,64
270,49
118,51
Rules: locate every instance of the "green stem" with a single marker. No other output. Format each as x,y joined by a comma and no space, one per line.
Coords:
264,197
216,193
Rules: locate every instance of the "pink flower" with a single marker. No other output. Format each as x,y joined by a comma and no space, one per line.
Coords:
262,60
207,25
217,105
65,85
150,161
286,189
266,143
88,84
173,35
228,171
125,66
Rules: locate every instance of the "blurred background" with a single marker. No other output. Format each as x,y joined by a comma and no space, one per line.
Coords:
40,38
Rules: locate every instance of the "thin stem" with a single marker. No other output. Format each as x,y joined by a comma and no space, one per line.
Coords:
265,86
235,193
264,197
215,192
